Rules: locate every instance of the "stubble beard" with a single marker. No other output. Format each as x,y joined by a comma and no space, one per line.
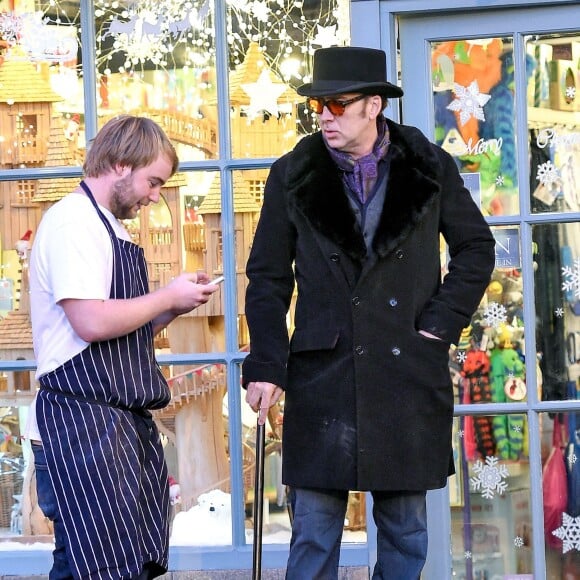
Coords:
121,191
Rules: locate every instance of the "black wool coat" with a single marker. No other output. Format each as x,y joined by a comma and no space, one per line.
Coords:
368,400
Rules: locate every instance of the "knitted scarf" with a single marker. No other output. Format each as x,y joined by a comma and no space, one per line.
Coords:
361,175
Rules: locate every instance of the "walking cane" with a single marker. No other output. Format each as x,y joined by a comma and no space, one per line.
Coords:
259,501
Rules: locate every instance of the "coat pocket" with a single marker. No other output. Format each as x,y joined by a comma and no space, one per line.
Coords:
320,338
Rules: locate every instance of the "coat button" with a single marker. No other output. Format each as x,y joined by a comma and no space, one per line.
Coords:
334,257
393,302
396,351
359,349
355,301
399,254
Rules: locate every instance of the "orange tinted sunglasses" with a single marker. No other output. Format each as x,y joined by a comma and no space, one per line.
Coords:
335,106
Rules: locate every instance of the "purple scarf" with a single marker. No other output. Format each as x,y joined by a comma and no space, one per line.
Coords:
361,175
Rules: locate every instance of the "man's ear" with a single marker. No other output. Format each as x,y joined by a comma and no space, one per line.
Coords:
377,106
122,170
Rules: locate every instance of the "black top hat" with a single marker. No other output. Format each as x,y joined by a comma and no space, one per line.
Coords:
349,69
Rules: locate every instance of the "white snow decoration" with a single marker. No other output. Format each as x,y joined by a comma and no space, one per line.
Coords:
572,459
559,312
571,92
461,356
261,11
469,102
263,95
569,533
325,36
572,278
490,477
468,555
500,181
495,314
548,174
518,542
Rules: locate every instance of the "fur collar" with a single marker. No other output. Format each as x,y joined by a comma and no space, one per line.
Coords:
316,190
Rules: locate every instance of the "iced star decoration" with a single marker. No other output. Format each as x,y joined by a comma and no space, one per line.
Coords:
325,36
469,102
569,533
490,477
571,275
263,95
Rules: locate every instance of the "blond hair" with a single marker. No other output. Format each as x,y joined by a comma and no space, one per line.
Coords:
128,141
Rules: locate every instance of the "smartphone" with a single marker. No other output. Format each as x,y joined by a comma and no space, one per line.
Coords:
217,280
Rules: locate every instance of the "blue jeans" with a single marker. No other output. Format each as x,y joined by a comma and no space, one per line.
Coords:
401,520
47,503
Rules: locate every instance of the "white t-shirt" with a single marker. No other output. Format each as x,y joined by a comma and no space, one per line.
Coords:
71,257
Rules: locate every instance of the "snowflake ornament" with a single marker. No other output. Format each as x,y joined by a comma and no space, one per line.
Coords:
572,459
460,433
461,356
469,102
468,555
495,314
548,174
572,278
490,477
10,27
569,533
570,93
518,542
517,428
500,181
559,312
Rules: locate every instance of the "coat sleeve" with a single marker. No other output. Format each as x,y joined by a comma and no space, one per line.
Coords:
271,284
471,248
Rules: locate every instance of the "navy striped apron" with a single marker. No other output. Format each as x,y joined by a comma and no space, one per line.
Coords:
103,451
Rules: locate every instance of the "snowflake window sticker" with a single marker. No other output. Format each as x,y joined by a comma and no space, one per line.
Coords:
548,175
569,533
495,314
490,477
469,102
571,276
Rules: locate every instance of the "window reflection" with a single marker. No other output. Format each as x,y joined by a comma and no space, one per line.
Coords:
557,247
553,122
490,506
473,93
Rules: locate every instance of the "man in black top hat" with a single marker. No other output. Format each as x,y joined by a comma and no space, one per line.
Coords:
353,217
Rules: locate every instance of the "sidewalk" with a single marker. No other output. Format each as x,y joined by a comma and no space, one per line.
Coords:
358,573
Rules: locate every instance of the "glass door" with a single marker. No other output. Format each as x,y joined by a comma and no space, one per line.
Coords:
500,91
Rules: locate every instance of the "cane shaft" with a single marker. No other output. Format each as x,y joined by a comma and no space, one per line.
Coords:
259,501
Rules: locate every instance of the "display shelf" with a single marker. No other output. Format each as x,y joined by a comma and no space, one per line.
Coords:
548,117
